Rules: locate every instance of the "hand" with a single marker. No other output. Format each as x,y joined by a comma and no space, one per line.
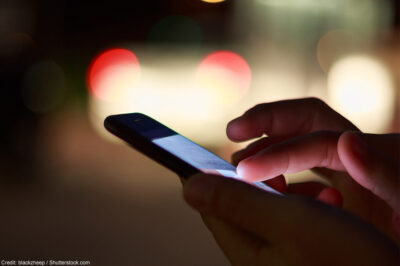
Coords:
306,133
254,227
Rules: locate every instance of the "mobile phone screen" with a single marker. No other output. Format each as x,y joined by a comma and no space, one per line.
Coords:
196,155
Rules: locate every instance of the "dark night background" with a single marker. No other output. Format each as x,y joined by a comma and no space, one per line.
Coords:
64,195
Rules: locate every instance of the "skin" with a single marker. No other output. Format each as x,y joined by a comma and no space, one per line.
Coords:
254,227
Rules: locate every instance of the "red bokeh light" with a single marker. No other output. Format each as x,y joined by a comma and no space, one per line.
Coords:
228,66
107,68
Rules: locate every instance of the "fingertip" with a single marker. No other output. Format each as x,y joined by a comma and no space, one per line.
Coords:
234,130
346,150
344,140
352,152
350,143
246,170
241,129
242,170
331,196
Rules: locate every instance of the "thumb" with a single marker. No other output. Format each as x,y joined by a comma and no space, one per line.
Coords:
371,168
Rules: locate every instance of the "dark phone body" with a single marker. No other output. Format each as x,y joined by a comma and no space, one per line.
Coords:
129,128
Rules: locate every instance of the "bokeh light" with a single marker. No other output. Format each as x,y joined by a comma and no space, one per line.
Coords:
175,102
361,89
43,87
226,73
186,91
113,74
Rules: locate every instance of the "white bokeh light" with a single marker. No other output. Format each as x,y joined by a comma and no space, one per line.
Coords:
361,88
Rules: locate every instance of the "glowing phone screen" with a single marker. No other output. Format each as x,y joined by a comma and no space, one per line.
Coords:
199,157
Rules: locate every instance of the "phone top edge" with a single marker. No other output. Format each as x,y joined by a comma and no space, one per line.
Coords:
114,117
140,123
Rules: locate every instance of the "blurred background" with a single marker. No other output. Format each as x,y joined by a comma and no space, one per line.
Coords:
70,190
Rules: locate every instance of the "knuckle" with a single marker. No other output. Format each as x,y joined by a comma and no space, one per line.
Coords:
257,108
316,102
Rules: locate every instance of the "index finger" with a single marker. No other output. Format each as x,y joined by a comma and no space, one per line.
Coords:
288,117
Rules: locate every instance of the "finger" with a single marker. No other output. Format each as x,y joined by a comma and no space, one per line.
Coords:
317,149
331,196
255,147
372,169
388,143
317,191
237,245
289,117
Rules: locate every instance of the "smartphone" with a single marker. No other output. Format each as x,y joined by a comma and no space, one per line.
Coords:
169,148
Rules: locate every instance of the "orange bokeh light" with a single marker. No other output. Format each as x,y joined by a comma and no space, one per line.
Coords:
226,72
113,73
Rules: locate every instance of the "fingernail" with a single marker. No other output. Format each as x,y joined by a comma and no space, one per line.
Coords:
198,189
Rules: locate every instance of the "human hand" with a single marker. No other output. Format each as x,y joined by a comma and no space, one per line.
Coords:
254,227
306,133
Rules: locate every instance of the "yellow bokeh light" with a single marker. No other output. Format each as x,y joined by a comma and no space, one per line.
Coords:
225,73
117,81
361,89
